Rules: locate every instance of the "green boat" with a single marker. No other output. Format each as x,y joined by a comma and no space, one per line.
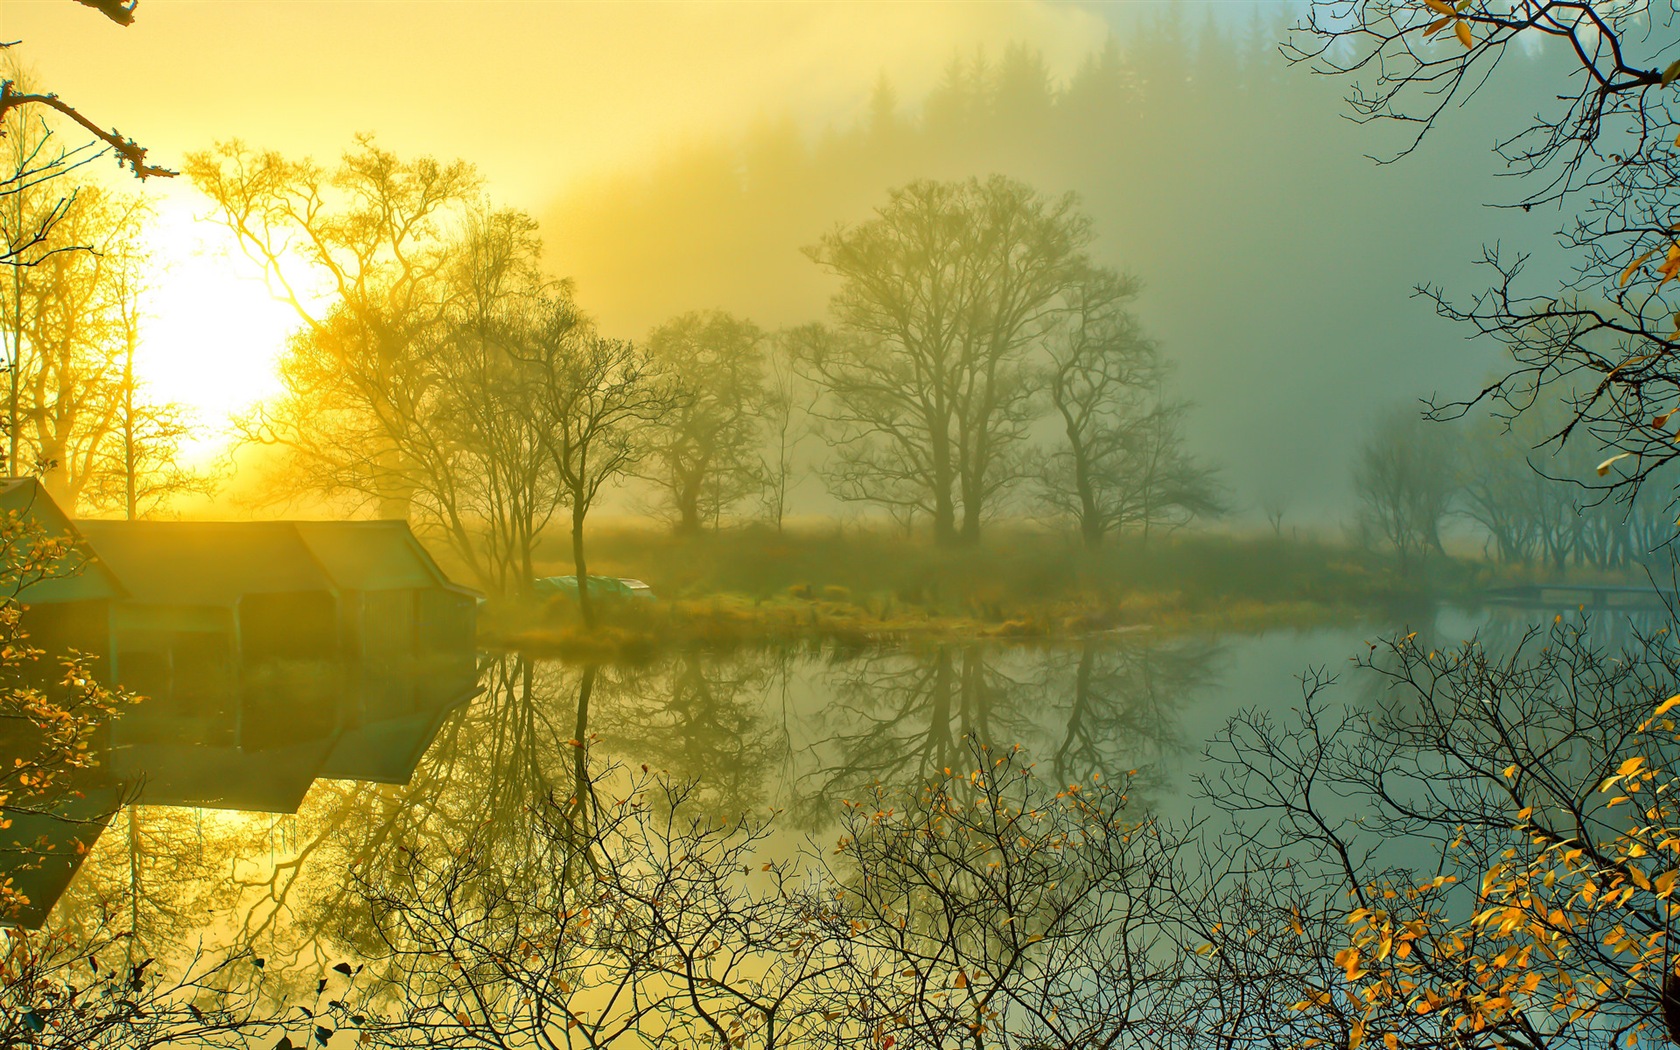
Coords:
610,587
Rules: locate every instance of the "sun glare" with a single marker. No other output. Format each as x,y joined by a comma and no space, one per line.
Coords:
212,332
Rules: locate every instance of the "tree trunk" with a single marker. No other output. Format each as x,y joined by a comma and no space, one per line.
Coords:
395,494
1081,703
688,510
580,566
972,500
130,501
939,711
944,507
56,479
580,758
1090,529
1090,519
944,519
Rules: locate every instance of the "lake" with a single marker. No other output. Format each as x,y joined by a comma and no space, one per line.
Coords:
276,818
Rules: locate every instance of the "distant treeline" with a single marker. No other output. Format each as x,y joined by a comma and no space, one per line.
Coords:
1530,498
1275,259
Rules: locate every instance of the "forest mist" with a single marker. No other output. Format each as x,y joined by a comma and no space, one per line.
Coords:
1276,256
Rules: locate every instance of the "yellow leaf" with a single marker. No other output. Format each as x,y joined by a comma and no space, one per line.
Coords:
1391,1041
1463,33
1441,6
1627,274
1668,705
1630,766
1438,25
1604,468
1671,73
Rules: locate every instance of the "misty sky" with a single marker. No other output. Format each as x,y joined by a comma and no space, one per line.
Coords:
533,93
1280,291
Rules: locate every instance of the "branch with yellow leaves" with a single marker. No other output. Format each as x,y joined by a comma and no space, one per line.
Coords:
1452,821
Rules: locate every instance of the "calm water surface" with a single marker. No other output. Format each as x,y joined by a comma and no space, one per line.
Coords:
260,820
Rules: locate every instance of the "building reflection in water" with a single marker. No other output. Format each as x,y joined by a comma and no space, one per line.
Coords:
269,655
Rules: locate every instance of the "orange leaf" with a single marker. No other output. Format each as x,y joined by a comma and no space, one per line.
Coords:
1627,274
1441,6
1463,32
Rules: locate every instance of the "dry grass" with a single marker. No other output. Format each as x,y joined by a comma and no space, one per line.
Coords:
753,587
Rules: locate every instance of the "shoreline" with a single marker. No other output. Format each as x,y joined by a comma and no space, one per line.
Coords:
722,622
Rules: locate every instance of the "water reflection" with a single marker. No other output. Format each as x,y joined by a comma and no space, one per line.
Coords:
219,736
250,806
1108,705
580,831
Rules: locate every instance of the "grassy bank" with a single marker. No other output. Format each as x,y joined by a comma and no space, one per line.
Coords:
755,587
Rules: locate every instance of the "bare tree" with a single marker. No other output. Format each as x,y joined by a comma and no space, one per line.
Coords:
1099,368
1598,149
788,403
74,314
944,296
598,397
491,487
1122,463
138,469
359,252
1405,479
32,201
406,390
702,452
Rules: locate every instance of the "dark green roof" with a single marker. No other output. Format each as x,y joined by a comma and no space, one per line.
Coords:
205,562
370,555
81,576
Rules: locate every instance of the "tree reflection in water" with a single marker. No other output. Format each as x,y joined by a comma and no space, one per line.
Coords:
592,852
954,907
1106,707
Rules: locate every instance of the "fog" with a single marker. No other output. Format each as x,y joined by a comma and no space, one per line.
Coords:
1020,524
680,157
1277,257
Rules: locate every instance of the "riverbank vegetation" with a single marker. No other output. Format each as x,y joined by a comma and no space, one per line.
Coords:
860,586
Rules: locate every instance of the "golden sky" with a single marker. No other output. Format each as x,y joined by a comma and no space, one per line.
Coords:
533,92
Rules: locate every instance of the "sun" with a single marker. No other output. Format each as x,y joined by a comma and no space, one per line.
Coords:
211,331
